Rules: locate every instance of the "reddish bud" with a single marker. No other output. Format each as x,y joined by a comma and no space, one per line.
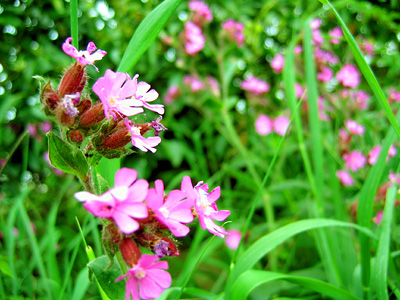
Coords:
130,251
84,105
63,118
92,116
74,80
49,97
161,245
117,140
76,136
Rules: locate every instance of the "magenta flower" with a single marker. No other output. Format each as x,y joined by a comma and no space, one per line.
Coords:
87,57
234,31
374,153
123,203
315,23
193,38
349,76
201,13
280,125
336,34
205,205
173,212
325,74
144,95
277,63
354,127
354,160
345,177
299,91
378,217
263,125
147,279
173,93
255,85
115,91
394,96
139,141
232,240
195,83
69,102
317,38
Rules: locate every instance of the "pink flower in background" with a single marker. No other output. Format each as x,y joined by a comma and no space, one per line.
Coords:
205,205
263,125
280,125
345,177
201,13
232,240
193,38
354,127
374,153
325,57
213,85
31,130
139,141
255,85
234,31
299,91
325,74
147,279
394,178
394,96
315,24
361,99
354,160
195,83
298,49
123,203
321,109
45,126
336,34
378,217
277,63
317,37
348,76
87,57
173,93
173,211
115,91
145,95
344,136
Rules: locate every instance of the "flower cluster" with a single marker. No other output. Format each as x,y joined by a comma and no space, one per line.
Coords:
136,215
105,123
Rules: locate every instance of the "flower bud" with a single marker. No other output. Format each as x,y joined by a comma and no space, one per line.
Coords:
84,105
49,97
161,245
76,136
117,140
63,118
92,116
130,251
73,81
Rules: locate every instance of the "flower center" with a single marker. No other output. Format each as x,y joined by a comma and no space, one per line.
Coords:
205,205
164,211
135,130
113,100
140,273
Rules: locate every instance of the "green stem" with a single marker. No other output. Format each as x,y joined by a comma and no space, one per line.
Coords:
74,22
16,145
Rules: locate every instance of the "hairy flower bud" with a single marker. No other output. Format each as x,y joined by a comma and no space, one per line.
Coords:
73,81
161,245
49,97
76,136
84,105
63,118
130,251
92,116
117,140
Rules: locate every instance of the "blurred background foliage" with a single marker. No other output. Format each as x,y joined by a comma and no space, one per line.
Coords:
196,143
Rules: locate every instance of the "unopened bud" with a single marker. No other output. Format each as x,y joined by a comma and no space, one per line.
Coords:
76,136
117,140
63,118
49,97
92,116
84,105
74,81
130,251
161,245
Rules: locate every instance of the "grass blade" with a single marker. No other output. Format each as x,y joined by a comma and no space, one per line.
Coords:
74,22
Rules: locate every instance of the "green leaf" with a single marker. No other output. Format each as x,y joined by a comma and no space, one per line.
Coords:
106,279
4,267
64,157
146,33
268,242
253,278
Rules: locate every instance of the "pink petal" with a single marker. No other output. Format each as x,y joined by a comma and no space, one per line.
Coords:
125,223
138,191
220,215
214,195
85,196
178,229
163,278
135,210
125,177
183,216
142,88
120,192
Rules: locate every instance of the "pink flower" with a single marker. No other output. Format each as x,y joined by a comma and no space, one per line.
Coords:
173,211
115,91
325,74
378,217
255,85
195,83
234,31
87,57
317,37
277,63
139,141
336,34
173,93
147,279
374,153
232,240
354,160
263,125
205,205
298,49
145,95
123,203
361,99
394,96
315,24
193,38
45,126
349,76
213,85
68,102
201,13
354,127
394,178
280,125
345,177
299,91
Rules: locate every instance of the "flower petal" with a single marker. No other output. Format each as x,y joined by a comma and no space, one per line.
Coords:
125,177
